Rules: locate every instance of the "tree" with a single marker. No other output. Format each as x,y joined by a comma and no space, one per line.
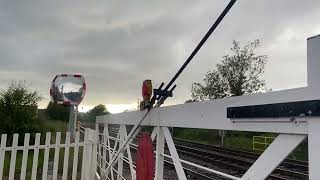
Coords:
57,111
96,111
237,74
18,109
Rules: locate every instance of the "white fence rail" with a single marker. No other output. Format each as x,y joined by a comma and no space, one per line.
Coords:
54,158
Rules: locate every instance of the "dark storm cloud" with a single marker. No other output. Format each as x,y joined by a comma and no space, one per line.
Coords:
117,44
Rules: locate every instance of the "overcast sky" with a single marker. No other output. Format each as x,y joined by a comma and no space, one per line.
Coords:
118,44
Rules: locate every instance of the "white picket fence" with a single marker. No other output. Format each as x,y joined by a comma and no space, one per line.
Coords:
85,143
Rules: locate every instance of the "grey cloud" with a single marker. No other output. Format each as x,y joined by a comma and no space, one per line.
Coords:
117,44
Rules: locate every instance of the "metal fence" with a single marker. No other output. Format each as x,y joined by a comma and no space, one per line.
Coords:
261,143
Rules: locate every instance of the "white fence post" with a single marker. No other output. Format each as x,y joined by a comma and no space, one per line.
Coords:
75,156
159,152
120,157
314,148
25,156
106,132
46,157
132,170
56,156
174,154
2,152
93,141
66,156
105,146
35,157
13,156
85,155
99,141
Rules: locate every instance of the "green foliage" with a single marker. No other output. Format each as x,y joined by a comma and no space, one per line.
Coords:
237,74
239,142
18,109
96,111
207,136
57,111
54,126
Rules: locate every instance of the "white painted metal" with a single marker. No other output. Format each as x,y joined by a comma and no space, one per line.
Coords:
24,156
154,133
13,156
159,152
84,156
109,149
35,157
278,150
174,154
66,157
112,152
46,157
105,145
56,156
100,139
120,157
313,53
2,152
89,157
72,124
314,149
213,114
75,156
132,170
46,147
117,141
94,142
133,133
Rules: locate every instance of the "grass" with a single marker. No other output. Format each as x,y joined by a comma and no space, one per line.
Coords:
234,139
19,162
54,126
238,142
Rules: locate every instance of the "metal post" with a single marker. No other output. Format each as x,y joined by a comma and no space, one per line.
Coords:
222,133
120,158
313,148
159,152
173,151
72,120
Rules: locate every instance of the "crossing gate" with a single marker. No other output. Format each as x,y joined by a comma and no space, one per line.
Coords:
293,114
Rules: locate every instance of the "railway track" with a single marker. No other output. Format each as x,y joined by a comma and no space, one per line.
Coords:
189,172
296,165
231,161
236,163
